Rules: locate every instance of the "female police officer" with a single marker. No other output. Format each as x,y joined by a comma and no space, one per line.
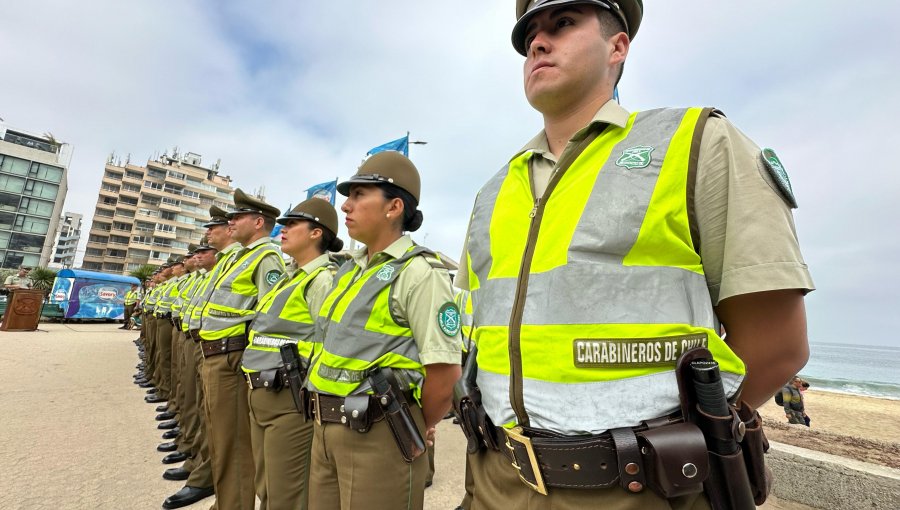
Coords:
391,307
279,434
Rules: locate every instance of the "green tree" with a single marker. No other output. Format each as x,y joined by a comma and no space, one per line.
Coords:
143,273
42,278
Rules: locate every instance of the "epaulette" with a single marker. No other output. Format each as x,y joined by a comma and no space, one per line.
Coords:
434,260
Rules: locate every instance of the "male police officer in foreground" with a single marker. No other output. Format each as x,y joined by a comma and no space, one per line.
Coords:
223,331
587,280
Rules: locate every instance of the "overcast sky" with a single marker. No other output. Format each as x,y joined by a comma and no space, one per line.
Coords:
289,94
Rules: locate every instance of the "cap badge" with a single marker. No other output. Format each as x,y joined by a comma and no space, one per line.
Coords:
635,157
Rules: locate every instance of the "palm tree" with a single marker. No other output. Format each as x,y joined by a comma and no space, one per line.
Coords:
143,273
42,278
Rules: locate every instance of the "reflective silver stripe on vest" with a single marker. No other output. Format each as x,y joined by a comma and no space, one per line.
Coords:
594,287
349,338
270,323
198,299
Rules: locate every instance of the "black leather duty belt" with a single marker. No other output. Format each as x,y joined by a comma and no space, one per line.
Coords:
273,379
223,346
193,334
360,413
546,459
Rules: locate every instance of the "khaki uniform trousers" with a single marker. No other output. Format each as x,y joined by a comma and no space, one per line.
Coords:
177,396
198,446
281,443
164,357
150,349
351,470
228,427
129,309
466,503
497,487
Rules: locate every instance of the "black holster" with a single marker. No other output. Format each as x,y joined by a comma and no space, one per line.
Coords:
295,373
397,414
737,480
474,421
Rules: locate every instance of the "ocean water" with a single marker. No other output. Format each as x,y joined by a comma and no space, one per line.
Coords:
856,369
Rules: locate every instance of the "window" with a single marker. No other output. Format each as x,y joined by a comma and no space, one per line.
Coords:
46,172
26,243
93,252
159,255
148,212
128,201
171,201
11,183
47,190
36,207
118,240
6,220
166,215
131,187
93,238
153,185
142,239
176,175
16,166
104,212
151,201
4,239
33,225
9,202
92,266
191,194
156,174
112,175
165,228
134,175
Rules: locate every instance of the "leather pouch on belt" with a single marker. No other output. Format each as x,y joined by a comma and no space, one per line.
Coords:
356,410
270,379
754,446
675,458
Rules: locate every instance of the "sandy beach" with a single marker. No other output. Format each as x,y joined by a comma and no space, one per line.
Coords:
76,433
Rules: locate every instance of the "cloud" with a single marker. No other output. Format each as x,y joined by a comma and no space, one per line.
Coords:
289,94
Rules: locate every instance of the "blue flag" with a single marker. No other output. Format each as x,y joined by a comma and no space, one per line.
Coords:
276,230
399,145
325,190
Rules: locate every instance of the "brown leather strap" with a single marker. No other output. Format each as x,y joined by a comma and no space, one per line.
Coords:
223,346
583,462
628,455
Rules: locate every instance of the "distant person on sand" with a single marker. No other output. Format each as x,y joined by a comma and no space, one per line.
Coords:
792,401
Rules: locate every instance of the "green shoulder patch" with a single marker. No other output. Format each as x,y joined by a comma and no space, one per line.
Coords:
779,176
448,319
273,276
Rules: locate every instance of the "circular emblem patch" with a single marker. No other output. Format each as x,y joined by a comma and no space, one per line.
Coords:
448,319
273,276
780,176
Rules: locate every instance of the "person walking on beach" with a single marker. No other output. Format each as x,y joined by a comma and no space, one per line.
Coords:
599,245
792,401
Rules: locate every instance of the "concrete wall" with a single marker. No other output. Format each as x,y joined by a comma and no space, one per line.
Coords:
827,481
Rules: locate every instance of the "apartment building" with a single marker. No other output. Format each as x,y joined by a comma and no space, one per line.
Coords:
67,236
146,213
33,188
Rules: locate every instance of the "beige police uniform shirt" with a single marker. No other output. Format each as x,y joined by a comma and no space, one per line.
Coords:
748,242
270,264
319,287
417,296
17,281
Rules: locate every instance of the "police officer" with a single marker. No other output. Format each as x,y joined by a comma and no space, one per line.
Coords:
20,280
207,258
161,338
131,298
391,307
280,435
586,273
223,330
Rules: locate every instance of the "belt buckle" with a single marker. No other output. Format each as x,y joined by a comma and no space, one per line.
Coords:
517,435
317,407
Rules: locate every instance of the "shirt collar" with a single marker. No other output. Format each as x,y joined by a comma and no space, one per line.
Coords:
610,113
262,240
315,263
395,250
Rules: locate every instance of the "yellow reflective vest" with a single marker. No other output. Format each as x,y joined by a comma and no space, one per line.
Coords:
585,298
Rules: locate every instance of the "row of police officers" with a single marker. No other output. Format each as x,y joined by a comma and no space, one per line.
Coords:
609,245
216,322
